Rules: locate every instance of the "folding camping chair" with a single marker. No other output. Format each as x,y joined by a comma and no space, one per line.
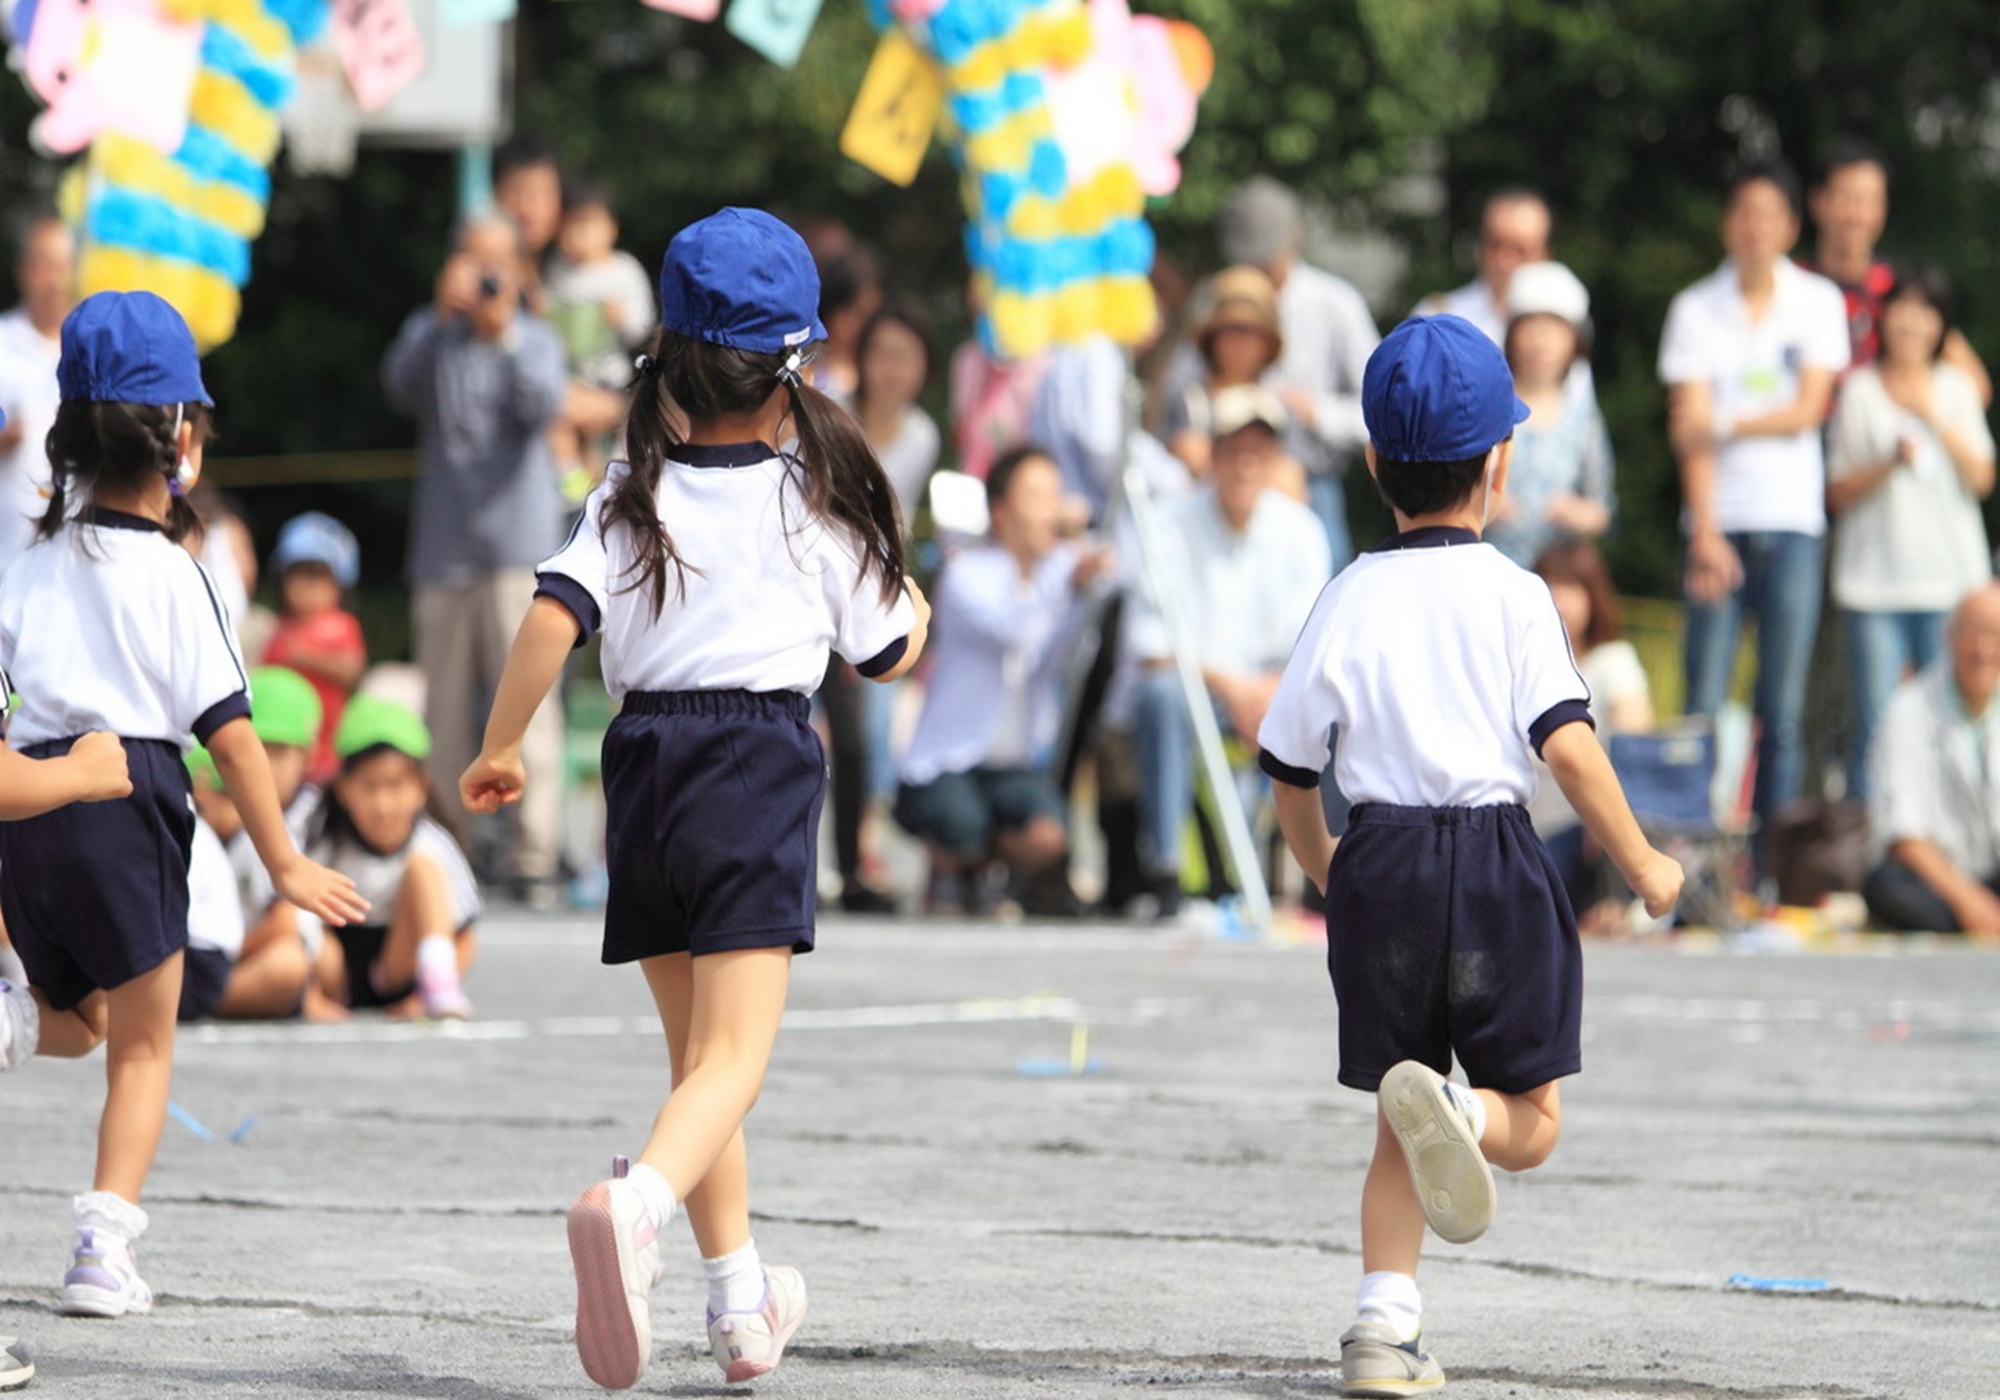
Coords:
1670,778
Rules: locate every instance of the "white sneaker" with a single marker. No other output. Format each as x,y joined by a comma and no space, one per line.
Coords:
20,1025
1453,1183
616,1251
747,1345
103,1278
441,991
17,1368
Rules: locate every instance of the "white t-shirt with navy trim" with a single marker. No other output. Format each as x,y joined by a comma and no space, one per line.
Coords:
378,875
113,626
1751,369
1446,667
770,590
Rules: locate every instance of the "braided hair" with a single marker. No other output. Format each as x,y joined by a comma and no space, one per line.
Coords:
95,446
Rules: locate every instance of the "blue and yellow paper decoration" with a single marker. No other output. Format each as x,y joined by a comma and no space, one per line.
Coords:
1057,112
179,220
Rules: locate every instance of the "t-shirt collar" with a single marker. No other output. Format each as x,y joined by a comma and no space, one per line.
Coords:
109,519
1427,537
721,454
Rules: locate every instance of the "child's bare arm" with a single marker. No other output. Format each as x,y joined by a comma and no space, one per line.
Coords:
497,777
246,775
1584,774
1303,821
918,635
92,771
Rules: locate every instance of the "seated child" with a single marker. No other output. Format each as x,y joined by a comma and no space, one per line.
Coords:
600,299
254,958
1445,667
373,826
317,560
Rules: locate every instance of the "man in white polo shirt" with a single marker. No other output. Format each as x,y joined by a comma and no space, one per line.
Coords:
1246,563
1749,357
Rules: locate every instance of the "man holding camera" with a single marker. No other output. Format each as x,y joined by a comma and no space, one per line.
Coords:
483,377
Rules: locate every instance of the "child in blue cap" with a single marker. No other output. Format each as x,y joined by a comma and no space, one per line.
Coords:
106,623
1447,670
722,572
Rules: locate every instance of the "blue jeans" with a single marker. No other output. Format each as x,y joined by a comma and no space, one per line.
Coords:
1781,585
1329,503
1881,646
1163,744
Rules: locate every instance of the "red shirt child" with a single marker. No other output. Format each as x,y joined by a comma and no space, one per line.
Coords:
316,560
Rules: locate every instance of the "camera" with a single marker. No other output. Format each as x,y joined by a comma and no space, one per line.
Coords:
489,287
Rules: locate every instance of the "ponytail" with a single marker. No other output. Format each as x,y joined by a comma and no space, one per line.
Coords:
103,445
695,380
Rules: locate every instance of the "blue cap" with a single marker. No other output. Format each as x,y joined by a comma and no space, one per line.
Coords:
1437,390
743,279
314,538
129,347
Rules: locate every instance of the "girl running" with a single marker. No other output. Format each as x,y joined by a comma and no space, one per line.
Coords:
106,623
722,572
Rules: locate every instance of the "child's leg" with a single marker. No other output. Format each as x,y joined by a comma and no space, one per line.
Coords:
72,1034
731,1004
423,908
267,982
718,1210
1521,1129
139,1071
1392,1222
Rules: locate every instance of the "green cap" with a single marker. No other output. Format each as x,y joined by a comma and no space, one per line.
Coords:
201,768
370,721
284,707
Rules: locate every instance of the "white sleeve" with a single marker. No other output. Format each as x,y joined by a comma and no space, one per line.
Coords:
1827,343
871,634
210,685
1549,691
1685,357
1619,671
1306,566
578,575
1293,737
635,302
1847,436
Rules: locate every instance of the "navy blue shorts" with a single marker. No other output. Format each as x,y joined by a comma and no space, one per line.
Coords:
360,946
1448,933
959,812
96,893
204,978
711,833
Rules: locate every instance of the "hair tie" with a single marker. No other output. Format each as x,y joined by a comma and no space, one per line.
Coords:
788,372
647,366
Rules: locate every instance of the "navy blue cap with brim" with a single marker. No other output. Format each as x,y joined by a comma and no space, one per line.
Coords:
1437,390
129,347
744,279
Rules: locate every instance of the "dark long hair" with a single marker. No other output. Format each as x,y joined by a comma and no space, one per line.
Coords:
895,313
695,380
117,445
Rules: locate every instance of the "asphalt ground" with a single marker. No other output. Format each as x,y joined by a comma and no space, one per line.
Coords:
974,1219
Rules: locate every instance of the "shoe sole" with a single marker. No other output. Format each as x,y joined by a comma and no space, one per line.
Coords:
736,1372
1454,1185
17,1379
84,1301
1388,1390
607,1339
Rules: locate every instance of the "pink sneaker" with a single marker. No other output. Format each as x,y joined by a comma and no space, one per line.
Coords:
747,1345
616,1252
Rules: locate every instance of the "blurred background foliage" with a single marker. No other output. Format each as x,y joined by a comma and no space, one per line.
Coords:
1395,118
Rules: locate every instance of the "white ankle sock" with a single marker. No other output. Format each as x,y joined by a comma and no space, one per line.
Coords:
1391,1299
735,1281
1471,1105
108,1214
437,956
658,1196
